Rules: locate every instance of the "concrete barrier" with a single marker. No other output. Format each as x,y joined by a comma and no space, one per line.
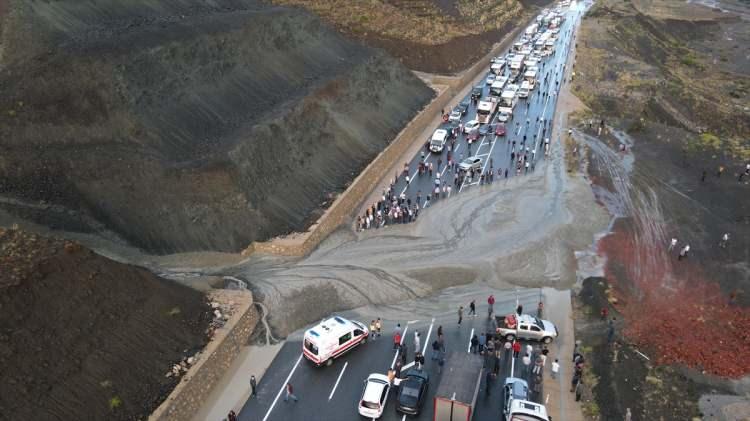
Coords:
342,210
196,385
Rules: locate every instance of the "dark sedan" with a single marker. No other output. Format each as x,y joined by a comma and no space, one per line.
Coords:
412,392
464,106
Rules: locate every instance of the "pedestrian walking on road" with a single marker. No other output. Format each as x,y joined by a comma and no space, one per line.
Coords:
378,326
403,351
373,330
290,393
397,329
474,344
253,386
555,368
396,340
703,176
516,349
672,244
490,305
472,308
460,314
628,415
417,341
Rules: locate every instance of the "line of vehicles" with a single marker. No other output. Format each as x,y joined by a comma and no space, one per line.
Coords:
511,77
458,386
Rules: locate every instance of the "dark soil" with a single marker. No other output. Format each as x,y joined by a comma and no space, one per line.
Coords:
83,337
451,57
188,125
624,379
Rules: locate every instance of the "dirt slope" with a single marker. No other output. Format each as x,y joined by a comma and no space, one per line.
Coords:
437,36
84,337
183,125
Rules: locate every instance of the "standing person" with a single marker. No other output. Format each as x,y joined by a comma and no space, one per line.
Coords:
472,309
397,329
373,330
579,389
290,393
724,240
721,171
482,342
672,244
419,360
460,314
474,344
417,344
555,368
490,305
232,416
403,351
253,386
703,176
684,252
611,331
519,310
538,364
498,361
379,326
516,348
489,380
526,364
628,415
396,340
440,331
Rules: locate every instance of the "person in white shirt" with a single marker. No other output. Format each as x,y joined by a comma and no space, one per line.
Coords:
555,368
672,244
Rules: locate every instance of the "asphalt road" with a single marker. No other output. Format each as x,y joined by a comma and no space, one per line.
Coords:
496,150
332,393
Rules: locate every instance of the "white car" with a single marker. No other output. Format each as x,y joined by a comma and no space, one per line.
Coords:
374,396
504,115
490,79
455,116
470,126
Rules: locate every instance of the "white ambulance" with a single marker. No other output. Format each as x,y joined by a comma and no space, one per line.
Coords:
331,338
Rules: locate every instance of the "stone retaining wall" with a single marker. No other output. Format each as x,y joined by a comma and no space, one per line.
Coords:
196,385
342,209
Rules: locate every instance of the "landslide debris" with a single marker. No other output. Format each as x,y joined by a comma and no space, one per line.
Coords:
84,337
185,125
435,36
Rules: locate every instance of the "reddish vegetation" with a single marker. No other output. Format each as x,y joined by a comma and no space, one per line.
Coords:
674,311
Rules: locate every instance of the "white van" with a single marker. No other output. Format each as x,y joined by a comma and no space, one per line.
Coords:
331,338
497,67
523,91
438,140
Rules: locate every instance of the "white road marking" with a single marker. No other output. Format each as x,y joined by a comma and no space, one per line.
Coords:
337,381
283,386
471,335
427,338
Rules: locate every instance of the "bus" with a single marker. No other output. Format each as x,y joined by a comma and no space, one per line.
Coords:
485,110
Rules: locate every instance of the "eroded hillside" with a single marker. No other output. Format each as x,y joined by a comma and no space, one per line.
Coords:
185,125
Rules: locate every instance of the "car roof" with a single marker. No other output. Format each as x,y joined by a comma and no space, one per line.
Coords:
334,326
417,373
375,384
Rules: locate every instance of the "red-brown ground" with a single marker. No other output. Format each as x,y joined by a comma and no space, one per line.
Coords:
675,310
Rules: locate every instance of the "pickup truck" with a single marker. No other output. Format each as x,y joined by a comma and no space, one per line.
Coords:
526,327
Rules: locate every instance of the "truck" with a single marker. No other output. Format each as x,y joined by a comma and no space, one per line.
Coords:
485,110
508,97
456,395
438,140
496,89
526,326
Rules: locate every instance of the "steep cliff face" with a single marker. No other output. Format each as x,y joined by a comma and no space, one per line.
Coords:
186,126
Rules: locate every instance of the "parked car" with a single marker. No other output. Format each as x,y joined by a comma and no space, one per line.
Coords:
526,327
374,396
473,162
500,129
514,388
464,106
476,93
470,126
412,392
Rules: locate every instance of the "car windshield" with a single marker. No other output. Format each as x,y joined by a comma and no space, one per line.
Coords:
371,405
538,322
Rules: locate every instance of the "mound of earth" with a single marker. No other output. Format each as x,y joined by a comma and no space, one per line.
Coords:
437,36
84,337
185,125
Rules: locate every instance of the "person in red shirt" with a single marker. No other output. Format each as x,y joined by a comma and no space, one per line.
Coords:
490,305
396,340
516,348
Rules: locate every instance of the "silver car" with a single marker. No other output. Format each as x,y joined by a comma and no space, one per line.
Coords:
472,162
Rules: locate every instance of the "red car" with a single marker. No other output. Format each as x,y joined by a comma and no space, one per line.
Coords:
473,136
500,130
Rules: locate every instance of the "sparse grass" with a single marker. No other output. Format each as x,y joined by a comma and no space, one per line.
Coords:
115,402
